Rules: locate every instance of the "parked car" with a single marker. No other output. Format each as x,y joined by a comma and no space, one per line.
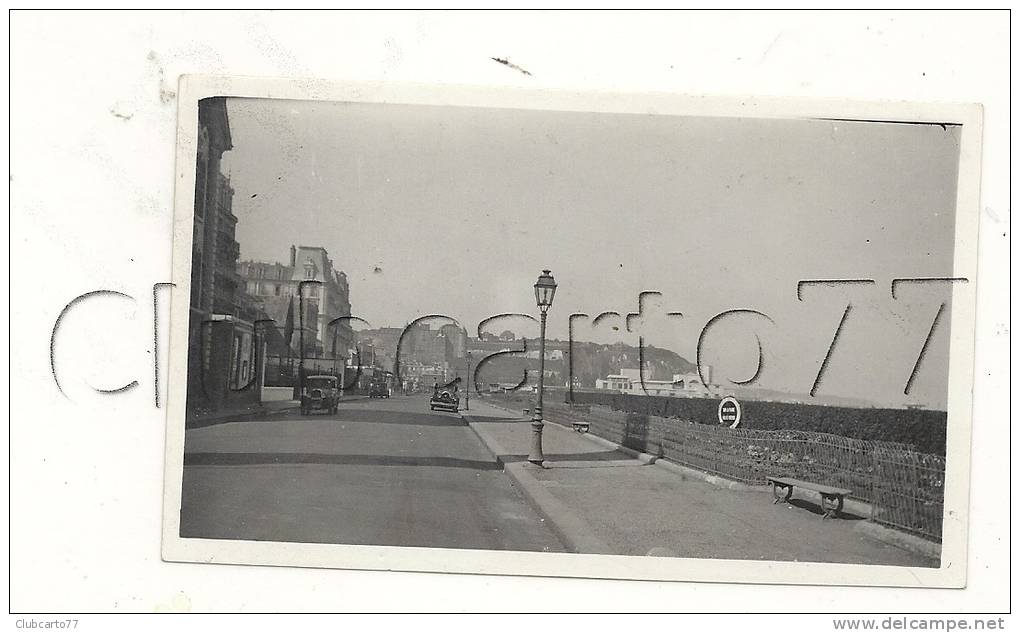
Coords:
320,393
379,389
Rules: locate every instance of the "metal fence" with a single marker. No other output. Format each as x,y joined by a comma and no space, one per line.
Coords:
908,490
904,487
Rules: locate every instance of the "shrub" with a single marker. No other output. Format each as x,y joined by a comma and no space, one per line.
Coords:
924,429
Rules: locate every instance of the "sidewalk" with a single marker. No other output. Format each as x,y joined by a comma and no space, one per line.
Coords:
241,413
600,499
235,414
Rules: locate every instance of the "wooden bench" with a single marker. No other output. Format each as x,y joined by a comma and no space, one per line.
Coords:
832,497
578,413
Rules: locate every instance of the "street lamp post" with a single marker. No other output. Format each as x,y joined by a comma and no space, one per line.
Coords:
470,379
301,344
301,338
545,290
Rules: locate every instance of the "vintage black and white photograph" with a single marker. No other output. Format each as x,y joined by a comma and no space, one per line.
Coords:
516,332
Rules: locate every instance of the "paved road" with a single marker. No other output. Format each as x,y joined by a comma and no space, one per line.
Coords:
380,472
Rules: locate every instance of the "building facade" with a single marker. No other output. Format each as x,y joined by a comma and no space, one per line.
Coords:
378,346
225,358
311,289
629,381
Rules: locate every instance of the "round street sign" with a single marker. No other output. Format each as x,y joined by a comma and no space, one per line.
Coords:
729,412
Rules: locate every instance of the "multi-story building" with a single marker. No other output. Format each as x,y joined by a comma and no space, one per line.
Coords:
224,358
309,280
630,381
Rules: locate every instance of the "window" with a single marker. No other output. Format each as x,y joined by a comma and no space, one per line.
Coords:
276,290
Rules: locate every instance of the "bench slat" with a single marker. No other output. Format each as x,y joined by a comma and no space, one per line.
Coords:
809,485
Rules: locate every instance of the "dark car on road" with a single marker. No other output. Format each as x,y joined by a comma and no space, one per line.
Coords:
320,393
445,400
378,389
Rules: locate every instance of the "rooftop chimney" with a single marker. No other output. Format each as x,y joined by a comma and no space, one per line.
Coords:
293,256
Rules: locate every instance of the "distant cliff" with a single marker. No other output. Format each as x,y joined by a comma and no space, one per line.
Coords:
590,362
594,360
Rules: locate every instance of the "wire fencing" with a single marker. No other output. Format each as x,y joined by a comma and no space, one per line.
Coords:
903,487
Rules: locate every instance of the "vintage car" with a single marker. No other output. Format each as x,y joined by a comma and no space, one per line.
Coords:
378,389
444,400
320,392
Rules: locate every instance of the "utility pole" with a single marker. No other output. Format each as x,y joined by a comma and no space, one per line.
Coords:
301,343
301,322
470,379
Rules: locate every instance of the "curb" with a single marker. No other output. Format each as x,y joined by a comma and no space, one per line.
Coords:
902,540
491,443
496,406
235,416
575,534
243,416
571,529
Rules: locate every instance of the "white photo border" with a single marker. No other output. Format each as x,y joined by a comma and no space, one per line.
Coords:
952,572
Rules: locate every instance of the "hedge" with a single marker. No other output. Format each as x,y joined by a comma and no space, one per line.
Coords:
924,429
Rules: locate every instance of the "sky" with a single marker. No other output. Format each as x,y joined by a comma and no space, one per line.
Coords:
456,211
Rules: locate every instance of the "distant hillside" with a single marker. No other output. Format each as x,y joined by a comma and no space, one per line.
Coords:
591,361
594,360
